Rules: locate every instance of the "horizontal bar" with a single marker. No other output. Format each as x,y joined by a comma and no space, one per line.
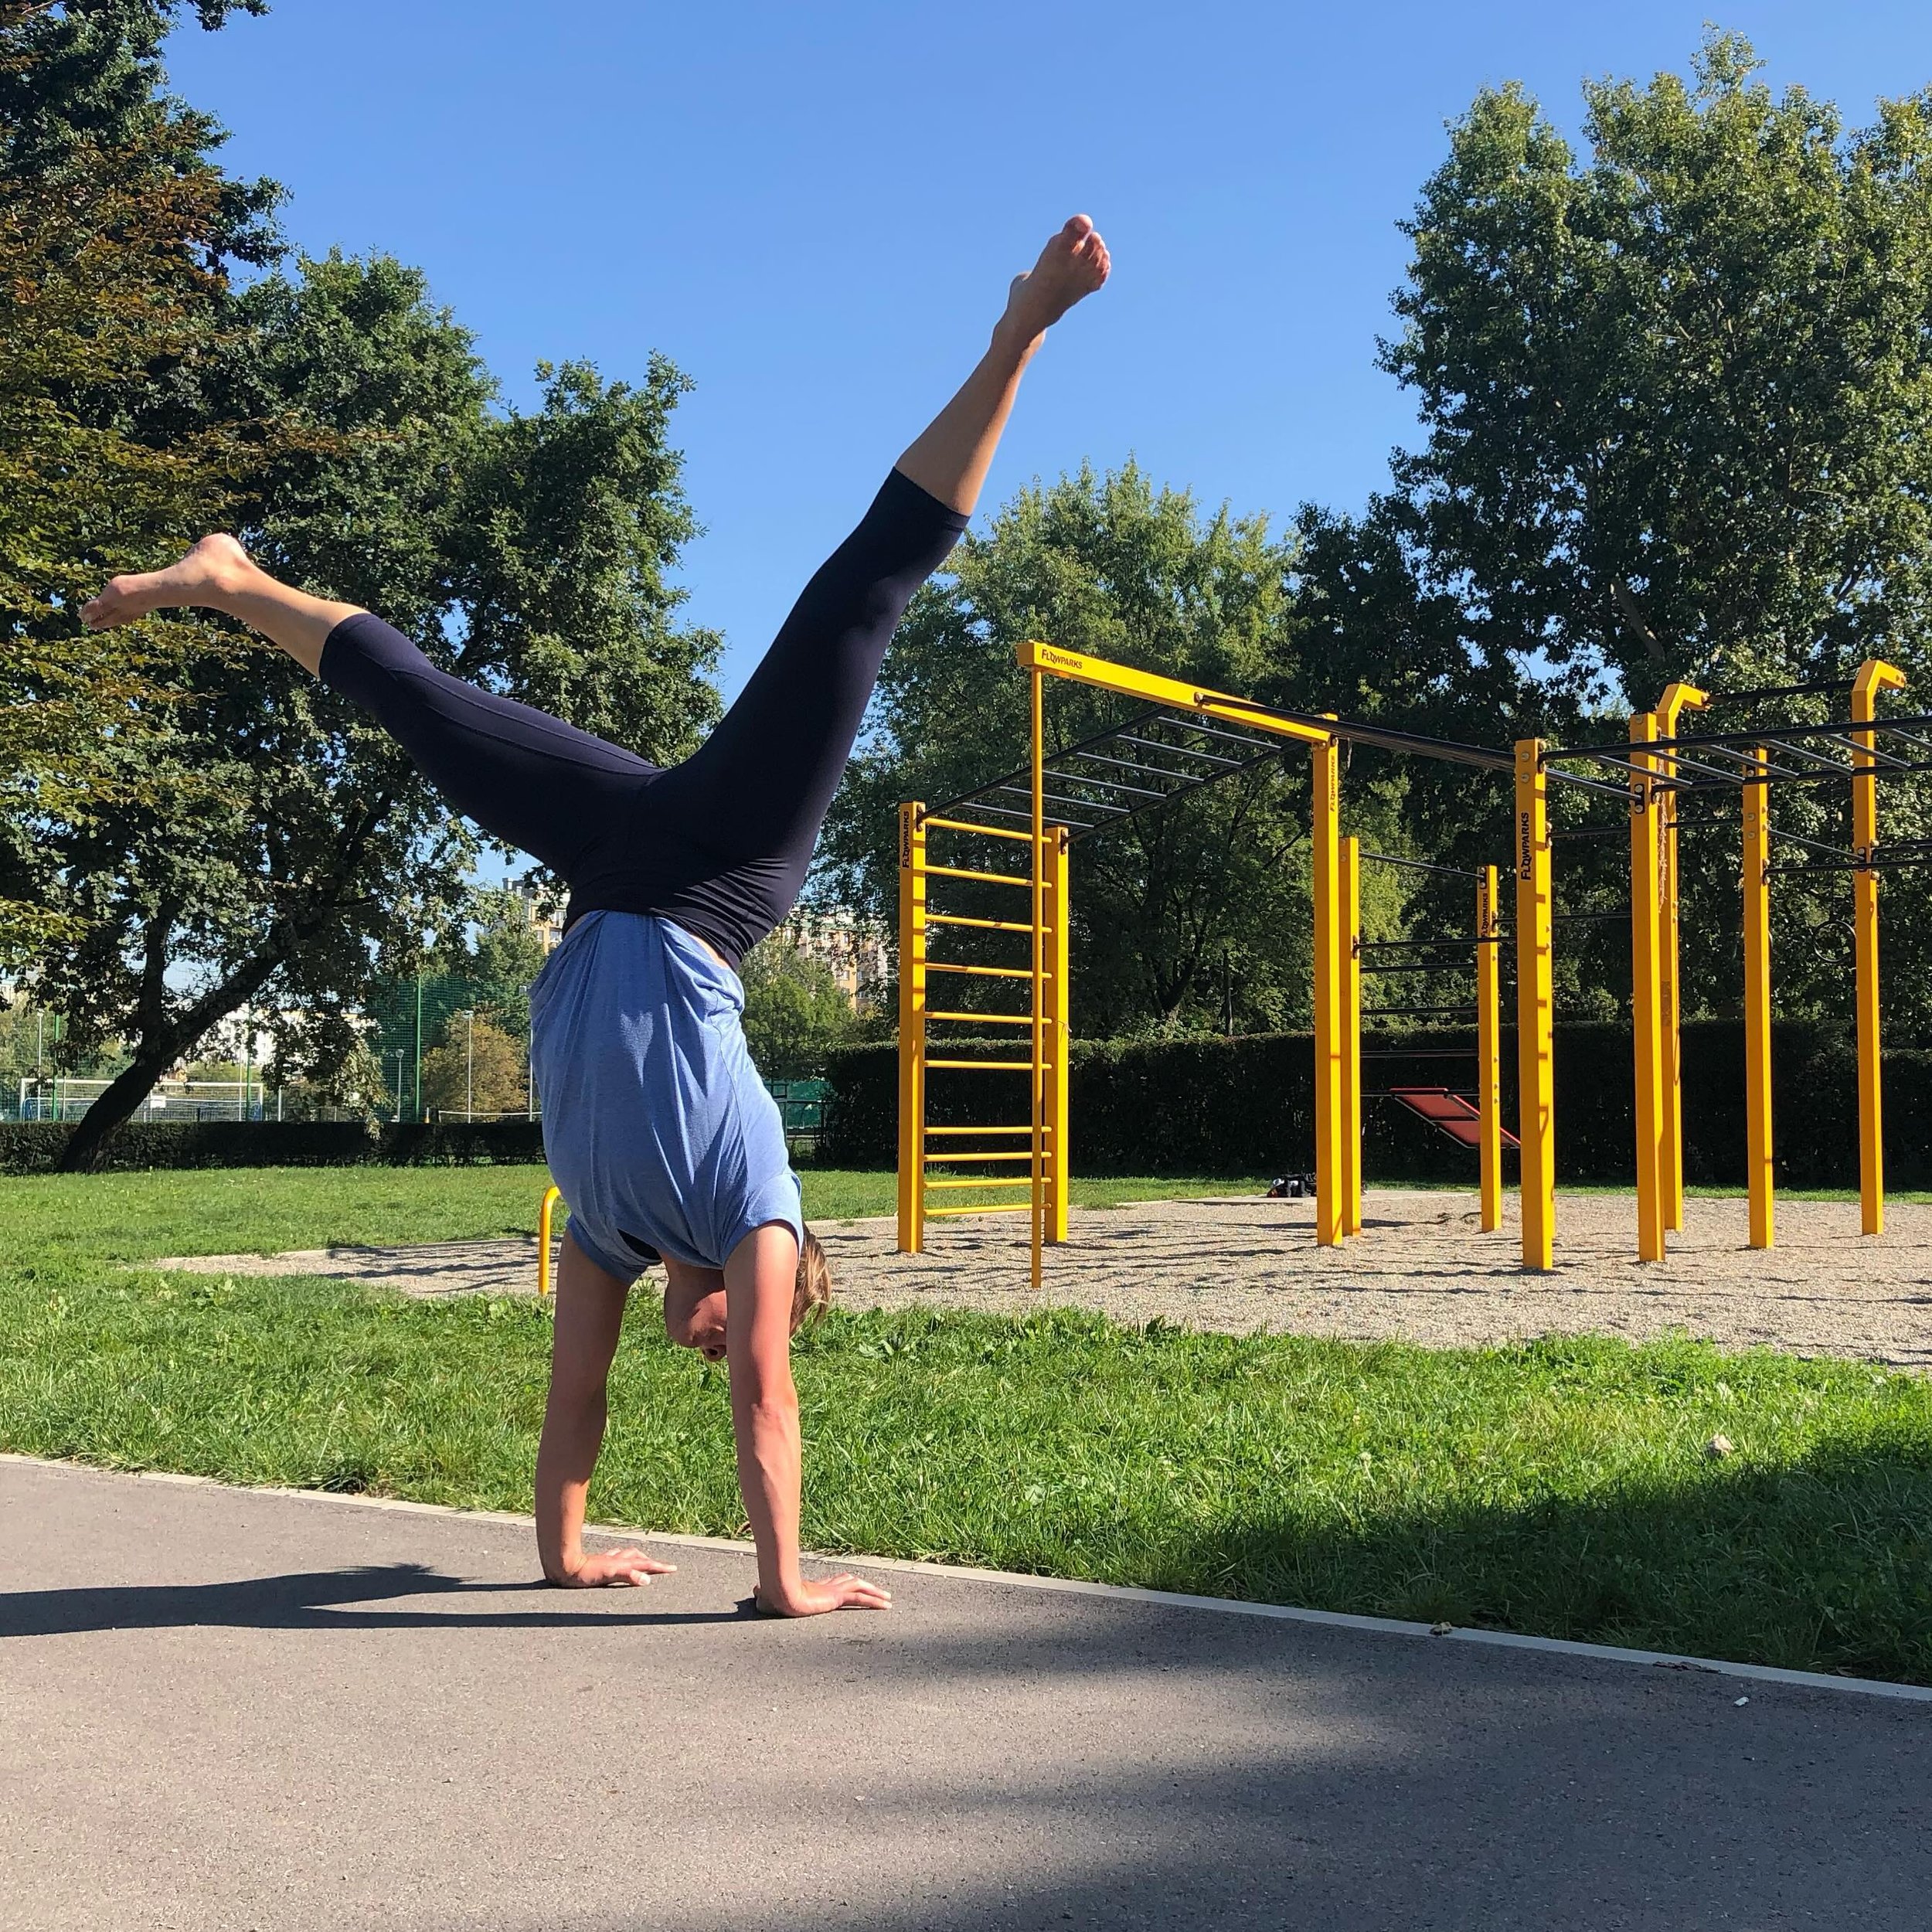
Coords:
990,1066
932,1131
1105,785
959,825
1024,1181
1450,939
983,925
988,1019
1411,1012
1059,798
1779,691
1763,734
1420,865
1425,1053
962,1158
991,878
1016,1207
1183,751
1184,721
1585,919
1182,779
1057,818
983,972
1812,844
1619,793
1446,966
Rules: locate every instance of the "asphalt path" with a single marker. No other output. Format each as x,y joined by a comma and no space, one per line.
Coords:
223,1710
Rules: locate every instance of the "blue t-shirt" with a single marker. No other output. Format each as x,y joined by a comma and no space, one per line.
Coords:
655,1124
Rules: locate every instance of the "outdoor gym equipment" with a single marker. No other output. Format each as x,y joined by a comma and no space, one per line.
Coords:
1187,737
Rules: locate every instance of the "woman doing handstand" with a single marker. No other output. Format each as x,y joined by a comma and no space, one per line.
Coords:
656,1126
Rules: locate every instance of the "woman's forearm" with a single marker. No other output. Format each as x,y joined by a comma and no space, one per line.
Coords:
573,1434
765,1421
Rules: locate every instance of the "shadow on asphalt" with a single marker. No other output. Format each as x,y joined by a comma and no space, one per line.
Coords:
317,1599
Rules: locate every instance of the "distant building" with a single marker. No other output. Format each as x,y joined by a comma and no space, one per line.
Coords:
546,923
858,957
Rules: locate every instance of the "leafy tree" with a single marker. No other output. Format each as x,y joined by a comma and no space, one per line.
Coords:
476,1068
1175,909
1677,400
796,1013
114,227
298,856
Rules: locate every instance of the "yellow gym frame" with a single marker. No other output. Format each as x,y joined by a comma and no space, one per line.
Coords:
1648,776
1660,766
1047,840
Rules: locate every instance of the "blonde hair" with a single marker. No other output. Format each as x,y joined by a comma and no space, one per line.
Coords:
812,1296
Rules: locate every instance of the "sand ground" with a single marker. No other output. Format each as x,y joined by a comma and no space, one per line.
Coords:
1422,1270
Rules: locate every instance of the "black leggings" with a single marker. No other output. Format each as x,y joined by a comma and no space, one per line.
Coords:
720,843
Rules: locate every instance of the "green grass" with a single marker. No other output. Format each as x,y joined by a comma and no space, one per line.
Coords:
1560,1487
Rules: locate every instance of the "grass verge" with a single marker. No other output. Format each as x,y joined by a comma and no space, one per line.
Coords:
1562,1486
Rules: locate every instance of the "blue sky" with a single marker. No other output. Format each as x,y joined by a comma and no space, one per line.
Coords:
814,211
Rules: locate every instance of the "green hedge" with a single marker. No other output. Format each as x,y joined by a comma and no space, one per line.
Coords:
35,1146
1247,1106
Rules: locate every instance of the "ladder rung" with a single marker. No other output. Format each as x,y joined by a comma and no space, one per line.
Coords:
989,1019
984,925
991,831
992,1067
931,1130
992,878
960,1159
1024,1181
1015,1207
985,972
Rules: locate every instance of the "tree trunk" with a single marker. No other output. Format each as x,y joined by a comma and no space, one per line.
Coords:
160,1047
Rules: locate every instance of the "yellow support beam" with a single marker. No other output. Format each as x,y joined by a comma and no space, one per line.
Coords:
1059,854
1349,965
1677,699
545,1208
1036,900
1757,1006
1104,676
1646,1001
1330,1177
1536,1007
1489,1046
1873,676
912,1029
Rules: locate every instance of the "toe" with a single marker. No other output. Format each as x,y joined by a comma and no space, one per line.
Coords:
1078,228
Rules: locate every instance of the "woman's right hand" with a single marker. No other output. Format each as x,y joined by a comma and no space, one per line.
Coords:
814,1596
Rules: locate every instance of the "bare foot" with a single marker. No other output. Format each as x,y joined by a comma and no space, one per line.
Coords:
1070,267
203,578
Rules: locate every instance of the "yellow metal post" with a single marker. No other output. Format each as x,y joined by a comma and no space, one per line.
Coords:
1873,677
1058,1032
1489,1046
545,1209
1330,1173
1646,1014
1677,699
912,1029
1757,1006
1037,898
1349,968
1536,1010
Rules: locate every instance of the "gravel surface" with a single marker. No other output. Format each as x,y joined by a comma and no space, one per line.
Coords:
1422,1271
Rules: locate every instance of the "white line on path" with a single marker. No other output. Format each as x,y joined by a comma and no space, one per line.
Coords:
1170,1600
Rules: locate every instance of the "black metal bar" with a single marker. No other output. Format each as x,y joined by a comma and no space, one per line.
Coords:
1812,844
1445,966
1185,721
1184,778
1619,793
1420,865
1424,1053
1267,758
1447,939
1055,798
1765,734
1411,1012
1779,691
1184,751
1584,919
